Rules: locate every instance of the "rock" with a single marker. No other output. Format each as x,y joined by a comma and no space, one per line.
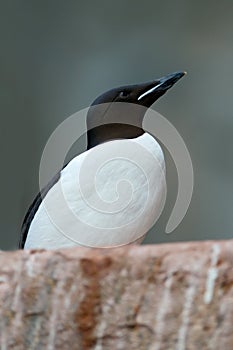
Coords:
161,297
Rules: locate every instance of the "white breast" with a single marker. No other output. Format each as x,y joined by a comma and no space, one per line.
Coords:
108,196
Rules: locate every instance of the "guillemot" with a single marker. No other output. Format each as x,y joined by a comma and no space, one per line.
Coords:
134,155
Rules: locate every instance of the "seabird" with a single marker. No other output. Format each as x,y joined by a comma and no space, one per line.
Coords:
65,213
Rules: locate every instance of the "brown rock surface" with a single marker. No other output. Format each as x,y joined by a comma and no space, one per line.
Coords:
173,296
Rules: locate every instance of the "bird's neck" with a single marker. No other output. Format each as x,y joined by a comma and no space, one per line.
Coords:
110,132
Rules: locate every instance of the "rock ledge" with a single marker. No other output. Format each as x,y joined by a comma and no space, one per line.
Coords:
161,297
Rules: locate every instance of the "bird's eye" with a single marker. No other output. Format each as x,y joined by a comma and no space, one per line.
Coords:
124,93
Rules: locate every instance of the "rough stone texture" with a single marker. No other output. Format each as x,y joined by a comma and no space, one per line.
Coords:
173,296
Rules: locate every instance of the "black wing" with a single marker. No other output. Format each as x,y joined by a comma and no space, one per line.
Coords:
33,209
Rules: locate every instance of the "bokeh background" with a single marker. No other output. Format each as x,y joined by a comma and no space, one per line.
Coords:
57,56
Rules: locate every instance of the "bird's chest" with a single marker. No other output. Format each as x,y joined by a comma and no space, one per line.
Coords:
114,183
110,195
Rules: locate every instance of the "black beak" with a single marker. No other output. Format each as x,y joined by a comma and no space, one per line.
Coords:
148,93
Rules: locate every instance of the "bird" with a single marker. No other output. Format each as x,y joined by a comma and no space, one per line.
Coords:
120,205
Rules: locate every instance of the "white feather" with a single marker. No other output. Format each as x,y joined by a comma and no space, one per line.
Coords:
110,195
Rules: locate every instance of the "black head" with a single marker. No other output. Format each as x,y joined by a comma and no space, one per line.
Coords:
107,120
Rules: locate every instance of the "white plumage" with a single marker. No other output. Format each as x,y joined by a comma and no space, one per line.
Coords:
110,195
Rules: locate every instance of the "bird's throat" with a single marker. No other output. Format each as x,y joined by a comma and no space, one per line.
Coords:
113,131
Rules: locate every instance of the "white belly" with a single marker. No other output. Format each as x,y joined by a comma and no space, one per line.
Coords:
110,195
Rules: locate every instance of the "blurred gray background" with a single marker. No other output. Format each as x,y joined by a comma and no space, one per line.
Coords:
57,56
